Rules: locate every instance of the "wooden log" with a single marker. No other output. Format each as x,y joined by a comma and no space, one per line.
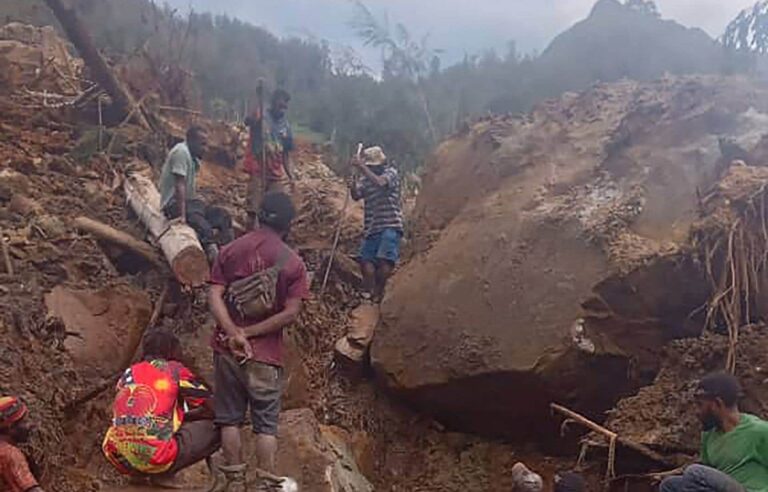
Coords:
579,419
102,74
110,234
179,242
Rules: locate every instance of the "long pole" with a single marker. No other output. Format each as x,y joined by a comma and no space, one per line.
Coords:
337,235
263,130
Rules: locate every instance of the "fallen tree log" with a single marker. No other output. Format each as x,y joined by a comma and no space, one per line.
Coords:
110,234
179,242
122,100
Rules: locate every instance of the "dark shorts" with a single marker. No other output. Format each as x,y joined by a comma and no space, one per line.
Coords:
384,245
197,441
251,384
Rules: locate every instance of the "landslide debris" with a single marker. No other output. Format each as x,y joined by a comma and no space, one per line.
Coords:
52,171
557,254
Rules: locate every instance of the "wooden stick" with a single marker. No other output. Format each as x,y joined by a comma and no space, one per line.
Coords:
6,255
644,450
110,234
158,307
337,236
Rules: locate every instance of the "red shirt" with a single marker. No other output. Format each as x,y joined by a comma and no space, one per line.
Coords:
254,252
14,470
147,412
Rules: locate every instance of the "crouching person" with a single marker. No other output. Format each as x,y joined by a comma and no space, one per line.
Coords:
15,473
734,447
162,415
258,288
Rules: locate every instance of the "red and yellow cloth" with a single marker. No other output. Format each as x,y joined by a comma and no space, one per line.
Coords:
152,397
12,410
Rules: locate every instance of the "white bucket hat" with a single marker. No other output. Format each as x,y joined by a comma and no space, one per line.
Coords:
374,156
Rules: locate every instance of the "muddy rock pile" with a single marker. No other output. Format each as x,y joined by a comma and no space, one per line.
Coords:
557,252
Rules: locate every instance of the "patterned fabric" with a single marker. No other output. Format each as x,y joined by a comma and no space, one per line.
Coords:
279,142
152,397
15,475
382,203
12,410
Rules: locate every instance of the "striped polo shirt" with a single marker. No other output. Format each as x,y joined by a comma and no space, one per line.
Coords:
382,203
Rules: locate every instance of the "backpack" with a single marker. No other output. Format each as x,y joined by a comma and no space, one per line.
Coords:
254,296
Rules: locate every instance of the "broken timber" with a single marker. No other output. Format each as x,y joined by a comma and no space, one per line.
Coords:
572,416
81,38
178,241
110,234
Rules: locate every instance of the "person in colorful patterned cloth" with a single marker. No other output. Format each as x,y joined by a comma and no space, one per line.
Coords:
162,415
15,475
276,144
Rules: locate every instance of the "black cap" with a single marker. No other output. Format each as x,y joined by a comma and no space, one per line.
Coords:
277,211
719,385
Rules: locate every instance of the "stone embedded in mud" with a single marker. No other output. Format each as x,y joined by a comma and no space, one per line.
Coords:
104,326
319,458
578,214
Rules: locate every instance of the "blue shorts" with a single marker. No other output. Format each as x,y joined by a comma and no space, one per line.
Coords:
384,245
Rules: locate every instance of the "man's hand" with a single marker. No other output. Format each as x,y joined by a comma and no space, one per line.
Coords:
357,162
240,346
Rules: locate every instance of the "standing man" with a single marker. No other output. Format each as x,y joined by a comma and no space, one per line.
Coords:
248,347
734,445
379,188
275,142
178,189
15,475
162,416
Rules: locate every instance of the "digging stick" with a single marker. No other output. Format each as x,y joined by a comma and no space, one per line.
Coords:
263,131
337,234
579,419
6,256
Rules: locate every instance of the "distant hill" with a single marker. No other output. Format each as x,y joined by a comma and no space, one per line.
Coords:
749,30
618,41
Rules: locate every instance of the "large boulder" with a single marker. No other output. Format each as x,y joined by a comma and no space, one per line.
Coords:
552,252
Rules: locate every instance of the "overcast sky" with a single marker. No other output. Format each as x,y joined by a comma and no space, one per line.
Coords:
456,26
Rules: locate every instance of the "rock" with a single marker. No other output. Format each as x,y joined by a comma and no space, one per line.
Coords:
296,393
105,325
12,182
23,205
554,253
319,458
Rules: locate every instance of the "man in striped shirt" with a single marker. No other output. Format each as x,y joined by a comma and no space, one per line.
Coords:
379,188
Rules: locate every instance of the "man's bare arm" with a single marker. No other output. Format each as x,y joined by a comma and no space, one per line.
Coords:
237,337
180,185
277,322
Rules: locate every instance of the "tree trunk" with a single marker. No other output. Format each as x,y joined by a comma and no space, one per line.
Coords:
122,100
110,234
178,241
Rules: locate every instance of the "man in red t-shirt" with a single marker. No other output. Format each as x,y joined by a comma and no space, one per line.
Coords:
248,351
15,475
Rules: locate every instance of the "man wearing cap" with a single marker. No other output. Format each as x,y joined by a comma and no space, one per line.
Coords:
15,475
248,350
734,445
379,188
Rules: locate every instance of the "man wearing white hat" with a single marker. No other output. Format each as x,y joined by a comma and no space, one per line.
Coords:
379,188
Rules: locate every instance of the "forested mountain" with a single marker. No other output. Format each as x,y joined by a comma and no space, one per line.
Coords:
415,101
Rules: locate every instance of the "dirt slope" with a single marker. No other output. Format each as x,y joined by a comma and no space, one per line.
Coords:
550,263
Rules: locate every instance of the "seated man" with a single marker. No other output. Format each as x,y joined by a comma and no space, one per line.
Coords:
734,445
15,475
178,186
162,415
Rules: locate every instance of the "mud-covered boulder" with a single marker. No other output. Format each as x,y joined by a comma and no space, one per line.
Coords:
103,327
552,252
318,457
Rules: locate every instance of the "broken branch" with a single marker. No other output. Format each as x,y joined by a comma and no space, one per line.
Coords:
644,450
110,234
6,256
